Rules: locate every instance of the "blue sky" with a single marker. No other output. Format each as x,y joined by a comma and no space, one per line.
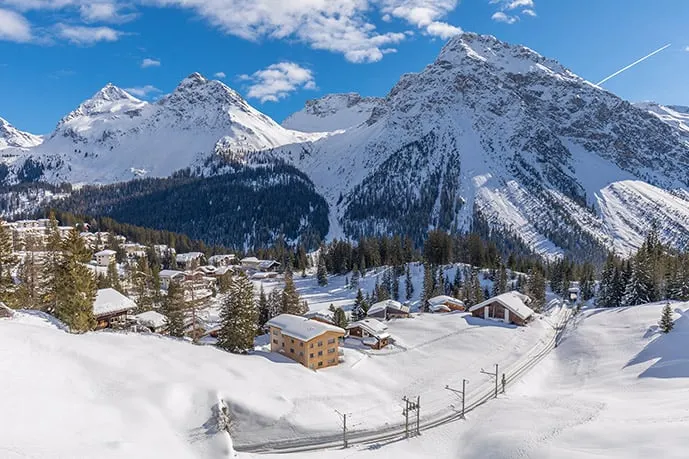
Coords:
279,53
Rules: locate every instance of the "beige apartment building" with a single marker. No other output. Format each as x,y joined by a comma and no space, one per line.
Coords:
314,344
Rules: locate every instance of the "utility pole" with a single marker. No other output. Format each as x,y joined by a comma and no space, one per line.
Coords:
461,394
494,376
408,407
345,443
504,382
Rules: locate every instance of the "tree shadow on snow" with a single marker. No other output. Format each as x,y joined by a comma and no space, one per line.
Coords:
669,350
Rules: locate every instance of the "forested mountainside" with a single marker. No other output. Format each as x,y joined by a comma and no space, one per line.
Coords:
246,208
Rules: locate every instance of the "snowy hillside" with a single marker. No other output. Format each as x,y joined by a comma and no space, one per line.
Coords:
332,113
115,137
614,388
11,137
497,131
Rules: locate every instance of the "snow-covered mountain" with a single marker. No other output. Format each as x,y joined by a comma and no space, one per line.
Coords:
332,113
674,115
11,137
114,136
496,135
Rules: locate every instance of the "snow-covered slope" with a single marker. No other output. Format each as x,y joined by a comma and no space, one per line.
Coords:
675,115
496,133
11,137
332,113
114,137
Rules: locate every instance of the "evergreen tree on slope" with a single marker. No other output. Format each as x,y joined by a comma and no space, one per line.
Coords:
238,317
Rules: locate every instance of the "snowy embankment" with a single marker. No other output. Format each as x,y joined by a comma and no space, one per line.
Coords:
615,388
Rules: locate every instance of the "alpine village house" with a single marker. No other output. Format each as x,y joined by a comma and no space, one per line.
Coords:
314,344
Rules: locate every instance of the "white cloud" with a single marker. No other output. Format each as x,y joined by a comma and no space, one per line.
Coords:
686,49
424,14
340,26
148,62
502,17
82,35
277,81
14,27
507,13
143,91
104,12
220,75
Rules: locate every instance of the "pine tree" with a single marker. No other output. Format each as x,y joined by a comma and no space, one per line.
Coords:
340,318
113,278
354,281
535,289
666,324
53,259
28,294
264,312
291,303
639,289
76,285
322,271
274,303
586,282
428,286
7,263
173,309
408,284
500,283
607,289
360,308
238,317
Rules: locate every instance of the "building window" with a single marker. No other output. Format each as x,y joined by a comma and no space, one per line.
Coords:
311,346
320,344
311,355
292,341
331,341
301,344
283,344
301,354
331,351
275,341
320,353
291,350
275,332
320,364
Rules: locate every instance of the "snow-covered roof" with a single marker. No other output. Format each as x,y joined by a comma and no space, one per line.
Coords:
387,304
267,264
151,319
514,301
185,257
228,256
110,301
325,314
249,260
373,326
105,253
301,328
169,273
444,299
442,307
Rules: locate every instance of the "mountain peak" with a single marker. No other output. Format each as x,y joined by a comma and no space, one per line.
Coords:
472,49
195,79
13,137
112,93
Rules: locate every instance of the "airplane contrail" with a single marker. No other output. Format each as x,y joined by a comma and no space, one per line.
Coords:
635,63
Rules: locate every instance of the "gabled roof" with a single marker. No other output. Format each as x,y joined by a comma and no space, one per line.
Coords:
373,326
105,253
184,257
301,328
323,314
514,301
110,301
442,299
249,260
388,304
169,273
